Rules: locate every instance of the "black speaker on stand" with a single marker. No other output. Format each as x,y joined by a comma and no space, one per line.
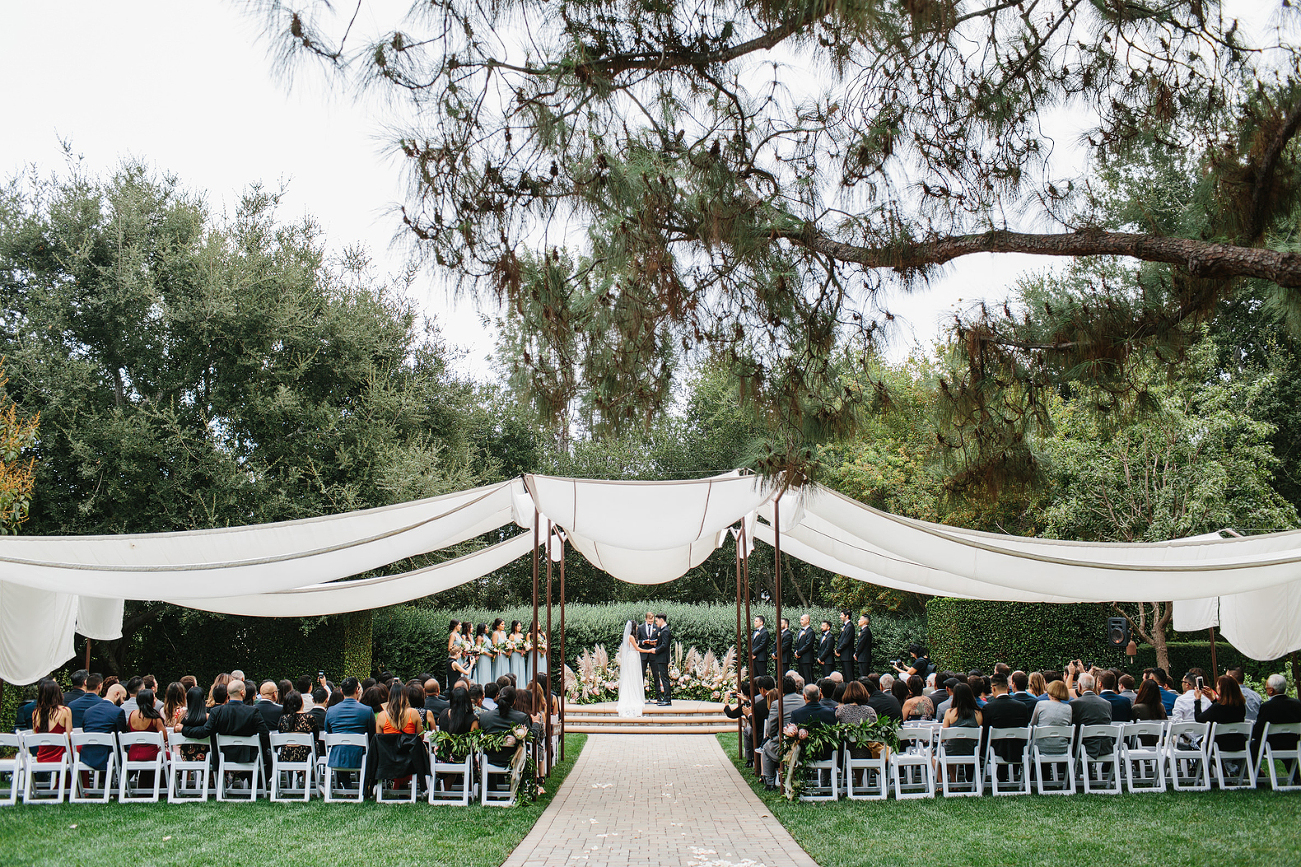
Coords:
1117,631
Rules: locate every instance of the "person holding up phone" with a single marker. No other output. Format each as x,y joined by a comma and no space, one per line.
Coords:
1185,709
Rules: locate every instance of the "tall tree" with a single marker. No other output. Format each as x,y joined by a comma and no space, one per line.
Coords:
709,192
201,372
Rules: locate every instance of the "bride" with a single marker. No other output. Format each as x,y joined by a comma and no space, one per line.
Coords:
632,688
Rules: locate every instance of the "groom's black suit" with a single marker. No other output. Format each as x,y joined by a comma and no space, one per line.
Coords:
660,663
645,634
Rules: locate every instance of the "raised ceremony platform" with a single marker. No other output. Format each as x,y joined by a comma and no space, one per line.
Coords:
682,718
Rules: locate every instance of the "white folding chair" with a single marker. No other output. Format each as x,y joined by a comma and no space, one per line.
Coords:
1107,737
911,771
11,768
822,779
1188,756
494,797
99,788
960,763
337,791
875,785
129,790
452,782
1148,760
188,780
1046,748
50,787
388,792
1270,754
285,773
1238,760
1017,783
227,766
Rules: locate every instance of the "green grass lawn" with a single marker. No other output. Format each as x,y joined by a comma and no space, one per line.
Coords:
1216,828
263,833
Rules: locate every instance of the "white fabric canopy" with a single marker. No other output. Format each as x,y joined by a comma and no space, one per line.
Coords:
639,532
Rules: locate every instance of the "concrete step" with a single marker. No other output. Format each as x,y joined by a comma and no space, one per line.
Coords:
648,729
657,720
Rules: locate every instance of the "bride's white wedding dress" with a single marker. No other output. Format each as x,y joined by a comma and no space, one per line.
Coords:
632,688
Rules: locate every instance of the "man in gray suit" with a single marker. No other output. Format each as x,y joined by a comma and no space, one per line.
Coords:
792,698
1090,709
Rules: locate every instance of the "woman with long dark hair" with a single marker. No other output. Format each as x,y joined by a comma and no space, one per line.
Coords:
516,664
398,716
918,706
294,720
459,718
51,715
174,703
145,718
484,655
497,635
1226,705
962,713
196,714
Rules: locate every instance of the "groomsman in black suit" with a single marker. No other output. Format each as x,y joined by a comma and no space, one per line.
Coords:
788,643
660,664
646,638
863,646
804,649
845,646
827,649
759,646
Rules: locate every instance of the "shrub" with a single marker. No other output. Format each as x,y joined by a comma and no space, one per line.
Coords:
968,633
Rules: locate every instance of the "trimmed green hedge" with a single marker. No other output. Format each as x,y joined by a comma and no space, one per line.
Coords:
968,634
411,639
1197,654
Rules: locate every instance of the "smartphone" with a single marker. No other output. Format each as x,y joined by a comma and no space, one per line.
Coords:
1199,684
321,673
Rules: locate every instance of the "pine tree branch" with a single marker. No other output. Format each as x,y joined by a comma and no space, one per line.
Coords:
1198,258
1260,193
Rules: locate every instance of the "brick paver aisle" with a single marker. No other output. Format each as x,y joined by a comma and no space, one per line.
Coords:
659,801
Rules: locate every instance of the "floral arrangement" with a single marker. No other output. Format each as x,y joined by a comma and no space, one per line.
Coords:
692,675
454,748
797,744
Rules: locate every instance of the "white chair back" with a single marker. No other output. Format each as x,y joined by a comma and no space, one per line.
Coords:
227,766
1144,763
333,790
285,774
953,765
188,780
1018,769
452,783
133,785
1106,765
11,768
45,781
1282,764
90,785
1052,760
911,772
1188,756
1234,769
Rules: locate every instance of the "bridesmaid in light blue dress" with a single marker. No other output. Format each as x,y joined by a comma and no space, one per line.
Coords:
500,664
517,659
482,668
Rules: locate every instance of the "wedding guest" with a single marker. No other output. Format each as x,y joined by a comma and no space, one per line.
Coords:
103,717
78,680
884,703
791,700
116,694
295,720
1280,708
900,691
1038,687
1121,709
221,680
1251,698
23,720
1055,711
917,706
853,710
266,704
1021,690
458,718
52,716
962,713
1183,706
885,683
476,696
503,719
489,695
320,699
375,698
1225,705
398,716
195,715
88,697
144,718
349,717
189,682
1147,702
1126,687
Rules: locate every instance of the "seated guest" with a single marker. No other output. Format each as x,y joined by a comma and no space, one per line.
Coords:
1038,686
23,721
1279,708
744,712
503,719
398,717
1147,702
962,713
320,705
375,698
827,687
458,718
1125,687
779,714
1090,710
856,708
250,693
294,720
133,686
102,717
918,706
349,717
78,680
434,701
813,714
1250,697
490,690
51,716
979,688
174,703
899,690
885,683
943,706
1183,706
1224,705
1004,711
1020,682
304,686
476,696
268,695
1055,711
188,682
145,718
116,694
885,704
1121,710
221,680
233,718
196,714
1168,696
88,697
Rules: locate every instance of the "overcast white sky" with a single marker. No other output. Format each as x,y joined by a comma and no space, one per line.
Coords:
188,87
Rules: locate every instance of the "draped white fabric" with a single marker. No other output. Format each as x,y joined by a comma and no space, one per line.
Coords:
36,631
255,559
1191,615
1263,624
358,595
100,618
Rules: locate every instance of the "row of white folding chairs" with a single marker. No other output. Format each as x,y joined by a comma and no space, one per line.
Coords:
1190,751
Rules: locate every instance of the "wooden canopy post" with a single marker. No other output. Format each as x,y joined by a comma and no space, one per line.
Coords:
1215,669
740,717
749,645
536,520
777,593
546,692
561,693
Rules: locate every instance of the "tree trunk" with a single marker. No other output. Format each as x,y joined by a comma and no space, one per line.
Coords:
1162,650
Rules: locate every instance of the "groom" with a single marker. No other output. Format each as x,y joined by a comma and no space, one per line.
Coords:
645,642
660,661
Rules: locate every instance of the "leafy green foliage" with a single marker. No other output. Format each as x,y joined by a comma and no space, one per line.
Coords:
967,634
18,435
